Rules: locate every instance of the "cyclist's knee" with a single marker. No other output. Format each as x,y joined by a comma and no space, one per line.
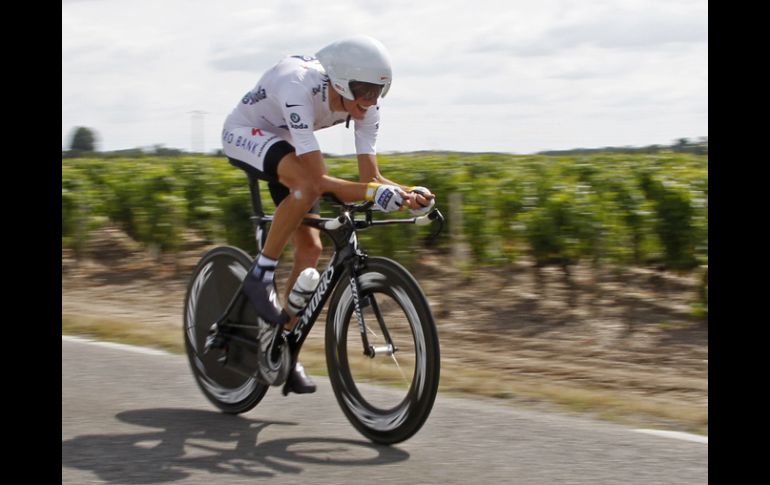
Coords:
307,190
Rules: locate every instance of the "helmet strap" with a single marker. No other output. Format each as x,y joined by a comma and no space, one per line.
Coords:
342,102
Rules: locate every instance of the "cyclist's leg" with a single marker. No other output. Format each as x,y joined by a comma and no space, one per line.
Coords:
265,168
306,178
307,251
302,177
258,151
306,241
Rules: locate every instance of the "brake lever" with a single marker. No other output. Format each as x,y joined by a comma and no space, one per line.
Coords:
435,215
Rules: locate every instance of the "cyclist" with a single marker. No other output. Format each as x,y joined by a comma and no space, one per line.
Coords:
269,134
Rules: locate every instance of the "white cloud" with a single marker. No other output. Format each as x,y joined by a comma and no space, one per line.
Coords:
485,75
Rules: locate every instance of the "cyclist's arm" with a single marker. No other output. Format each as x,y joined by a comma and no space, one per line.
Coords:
294,171
366,140
368,171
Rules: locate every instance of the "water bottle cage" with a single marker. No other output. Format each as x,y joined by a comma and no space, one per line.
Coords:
298,299
303,293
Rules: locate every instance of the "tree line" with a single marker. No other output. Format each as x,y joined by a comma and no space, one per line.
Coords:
700,146
84,144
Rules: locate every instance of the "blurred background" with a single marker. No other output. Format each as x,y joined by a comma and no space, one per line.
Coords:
567,143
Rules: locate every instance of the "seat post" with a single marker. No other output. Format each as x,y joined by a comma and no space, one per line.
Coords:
256,198
257,219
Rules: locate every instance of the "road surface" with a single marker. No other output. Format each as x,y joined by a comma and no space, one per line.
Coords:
136,417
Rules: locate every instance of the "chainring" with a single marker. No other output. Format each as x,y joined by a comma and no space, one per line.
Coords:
274,358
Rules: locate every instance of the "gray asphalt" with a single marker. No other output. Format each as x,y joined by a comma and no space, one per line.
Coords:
132,418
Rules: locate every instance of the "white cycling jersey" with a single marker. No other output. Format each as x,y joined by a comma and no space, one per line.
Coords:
290,102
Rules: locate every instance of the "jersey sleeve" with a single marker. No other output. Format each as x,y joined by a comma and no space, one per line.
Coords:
297,107
366,131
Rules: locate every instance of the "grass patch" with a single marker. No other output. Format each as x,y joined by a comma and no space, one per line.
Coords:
610,405
124,331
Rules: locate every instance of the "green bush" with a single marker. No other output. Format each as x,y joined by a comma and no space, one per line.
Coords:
82,211
159,206
674,225
202,187
622,208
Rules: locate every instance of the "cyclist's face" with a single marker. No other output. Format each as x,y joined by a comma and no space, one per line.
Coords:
358,108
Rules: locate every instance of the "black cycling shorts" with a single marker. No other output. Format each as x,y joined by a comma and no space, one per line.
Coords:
273,157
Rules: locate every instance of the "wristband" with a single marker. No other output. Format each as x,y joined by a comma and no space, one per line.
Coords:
371,189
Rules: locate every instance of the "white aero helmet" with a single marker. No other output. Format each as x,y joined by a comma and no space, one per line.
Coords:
359,58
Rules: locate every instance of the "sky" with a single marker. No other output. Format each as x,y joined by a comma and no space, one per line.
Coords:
515,76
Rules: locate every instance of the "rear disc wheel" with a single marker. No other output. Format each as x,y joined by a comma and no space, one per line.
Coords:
215,280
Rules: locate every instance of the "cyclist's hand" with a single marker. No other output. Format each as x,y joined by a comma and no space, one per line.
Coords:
420,200
387,198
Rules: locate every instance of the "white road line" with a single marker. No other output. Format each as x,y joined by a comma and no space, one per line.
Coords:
677,435
113,345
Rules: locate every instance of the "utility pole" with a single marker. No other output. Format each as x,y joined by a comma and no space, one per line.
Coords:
196,131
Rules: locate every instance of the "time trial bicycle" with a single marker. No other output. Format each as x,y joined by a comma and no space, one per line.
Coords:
381,341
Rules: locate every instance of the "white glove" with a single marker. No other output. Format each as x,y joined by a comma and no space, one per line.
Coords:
387,198
425,208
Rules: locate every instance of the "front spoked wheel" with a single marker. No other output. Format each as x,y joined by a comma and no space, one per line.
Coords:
215,280
389,396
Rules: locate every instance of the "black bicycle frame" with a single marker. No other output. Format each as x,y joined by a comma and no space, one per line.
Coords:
347,255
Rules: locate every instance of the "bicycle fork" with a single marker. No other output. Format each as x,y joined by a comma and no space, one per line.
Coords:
358,305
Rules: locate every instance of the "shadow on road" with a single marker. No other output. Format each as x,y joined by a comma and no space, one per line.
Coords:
194,440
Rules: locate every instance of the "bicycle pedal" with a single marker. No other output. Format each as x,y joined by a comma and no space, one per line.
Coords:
222,359
213,340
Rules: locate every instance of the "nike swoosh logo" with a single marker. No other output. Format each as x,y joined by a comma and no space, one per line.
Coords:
291,105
